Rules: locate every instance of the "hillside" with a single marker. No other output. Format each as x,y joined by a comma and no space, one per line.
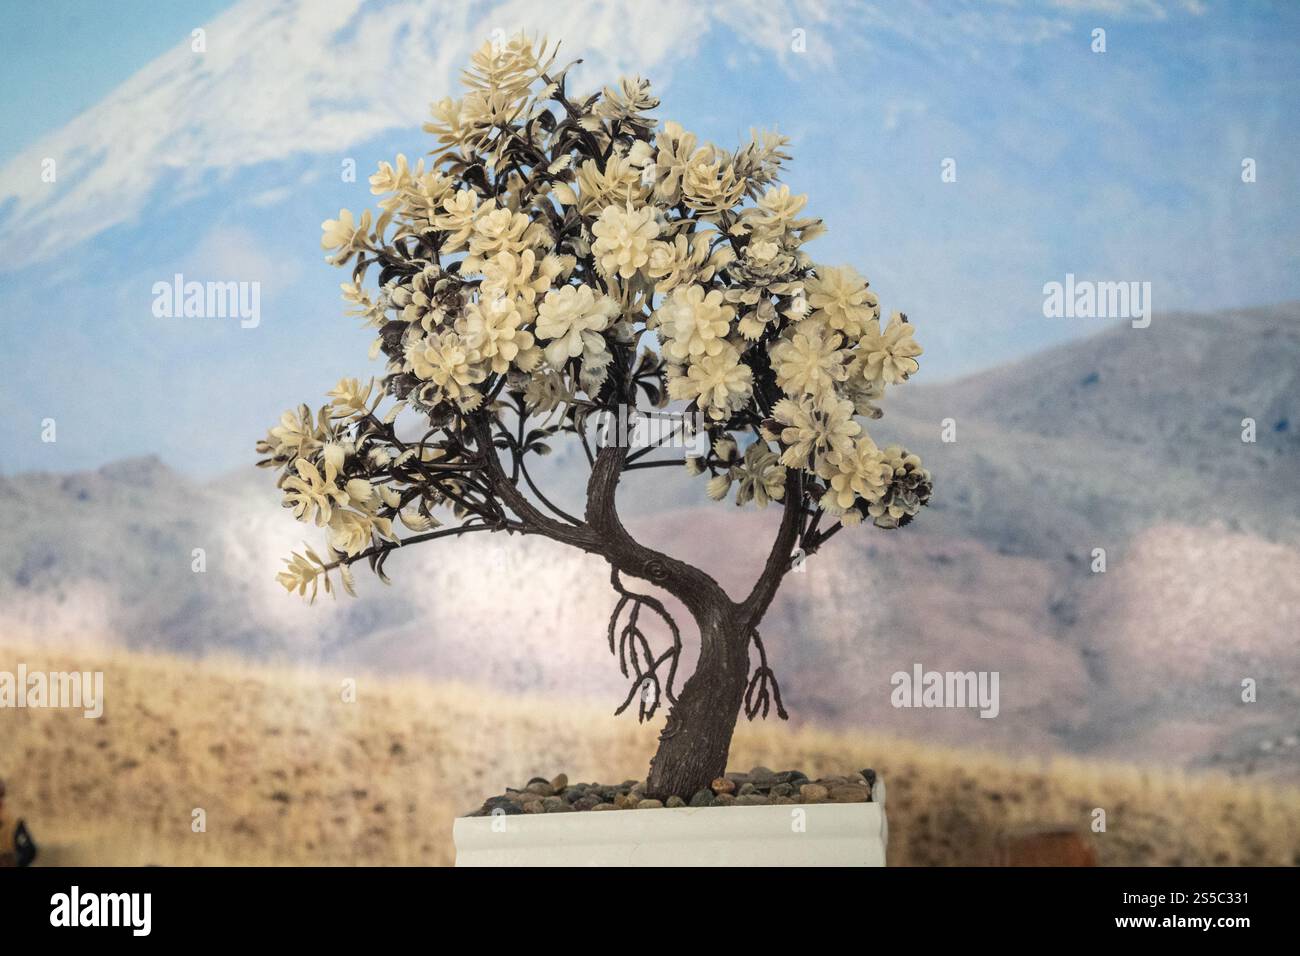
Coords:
1127,441
287,773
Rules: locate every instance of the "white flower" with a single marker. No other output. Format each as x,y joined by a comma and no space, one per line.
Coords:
497,231
623,237
457,218
778,205
693,323
349,398
492,329
345,235
447,363
808,363
296,435
709,183
843,299
389,178
350,532
888,356
859,472
761,476
720,384
684,261
814,428
676,146
521,277
312,495
572,318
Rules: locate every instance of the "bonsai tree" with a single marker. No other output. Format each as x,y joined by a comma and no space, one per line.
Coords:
562,262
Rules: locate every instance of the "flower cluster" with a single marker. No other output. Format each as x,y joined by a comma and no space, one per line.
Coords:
562,254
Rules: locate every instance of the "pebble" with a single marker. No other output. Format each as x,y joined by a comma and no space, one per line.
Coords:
761,786
813,793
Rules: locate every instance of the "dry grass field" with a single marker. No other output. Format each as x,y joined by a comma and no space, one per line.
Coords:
287,772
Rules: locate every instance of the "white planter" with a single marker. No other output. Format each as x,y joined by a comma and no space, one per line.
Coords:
823,834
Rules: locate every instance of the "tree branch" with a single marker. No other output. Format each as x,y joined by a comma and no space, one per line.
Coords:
701,594
778,559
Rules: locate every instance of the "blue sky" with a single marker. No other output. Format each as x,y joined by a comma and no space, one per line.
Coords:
63,56
1123,165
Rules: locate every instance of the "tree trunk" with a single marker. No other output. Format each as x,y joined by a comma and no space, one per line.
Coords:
697,736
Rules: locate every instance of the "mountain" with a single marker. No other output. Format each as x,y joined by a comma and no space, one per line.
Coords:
1130,441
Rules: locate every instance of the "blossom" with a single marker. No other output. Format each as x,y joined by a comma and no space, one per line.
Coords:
623,237
761,476
814,428
842,298
499,230
693,323
390,178
720,384
676,146
344,236
859,472
312,495
684,261
808,363
888,356
709,184
459,211
296,435
546,391
447,363
348,398
492,329
301,571
619,180
780,204
447,124
909,488
572,318
350,532
522,277
415,300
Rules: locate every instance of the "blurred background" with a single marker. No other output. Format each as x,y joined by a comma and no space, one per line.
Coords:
962,155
